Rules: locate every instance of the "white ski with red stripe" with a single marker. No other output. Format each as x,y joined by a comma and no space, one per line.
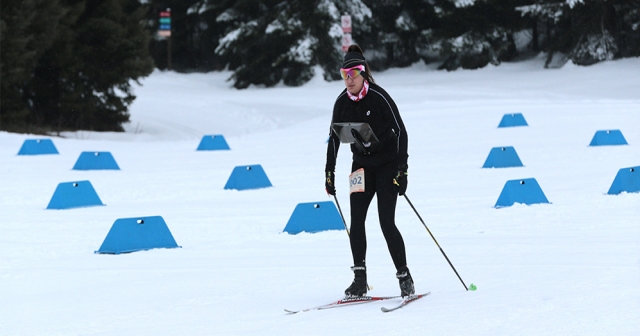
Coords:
347,301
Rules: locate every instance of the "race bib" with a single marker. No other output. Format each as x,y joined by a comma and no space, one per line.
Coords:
356,181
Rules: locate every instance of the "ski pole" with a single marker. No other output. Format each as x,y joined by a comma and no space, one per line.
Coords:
434,239
340,210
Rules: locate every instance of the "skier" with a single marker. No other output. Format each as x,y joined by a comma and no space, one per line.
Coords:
383,164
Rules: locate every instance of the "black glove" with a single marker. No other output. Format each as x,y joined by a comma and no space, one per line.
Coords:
329,183
401,180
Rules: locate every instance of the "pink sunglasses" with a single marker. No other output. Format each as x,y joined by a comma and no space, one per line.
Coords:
351,72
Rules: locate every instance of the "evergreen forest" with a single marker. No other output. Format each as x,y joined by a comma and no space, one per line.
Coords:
72,64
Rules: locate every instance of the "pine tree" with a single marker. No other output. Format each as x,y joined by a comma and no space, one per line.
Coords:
272,41
194,34
397,38
27,29
472,34
587,31
83,80
208,33
627,18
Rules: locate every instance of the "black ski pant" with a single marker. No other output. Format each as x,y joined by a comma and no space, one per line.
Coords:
378,181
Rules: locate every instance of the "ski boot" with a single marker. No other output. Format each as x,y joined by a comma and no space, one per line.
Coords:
359,285
406,282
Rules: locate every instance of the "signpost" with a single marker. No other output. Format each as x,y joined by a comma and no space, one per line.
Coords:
165,30
346,23
345,20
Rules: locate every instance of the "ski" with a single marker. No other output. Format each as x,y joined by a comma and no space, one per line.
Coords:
347,301
405,302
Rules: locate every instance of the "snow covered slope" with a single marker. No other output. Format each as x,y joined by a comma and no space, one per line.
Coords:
571,267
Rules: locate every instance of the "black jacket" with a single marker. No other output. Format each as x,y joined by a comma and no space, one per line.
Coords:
380,111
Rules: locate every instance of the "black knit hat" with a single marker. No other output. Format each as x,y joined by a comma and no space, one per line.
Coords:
352,59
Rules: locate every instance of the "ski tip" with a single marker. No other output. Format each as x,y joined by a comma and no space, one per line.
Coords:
405,301
290,312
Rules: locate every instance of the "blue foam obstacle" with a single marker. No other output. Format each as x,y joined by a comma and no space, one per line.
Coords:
502,157
314,217
37,147
213,142
525,191
248,177
608,138
74,195
96,160
627,179
512,120
137,234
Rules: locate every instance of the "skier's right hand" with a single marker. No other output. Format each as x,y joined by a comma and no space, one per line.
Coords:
329,183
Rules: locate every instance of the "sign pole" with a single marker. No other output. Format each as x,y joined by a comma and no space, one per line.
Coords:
169,52
345,22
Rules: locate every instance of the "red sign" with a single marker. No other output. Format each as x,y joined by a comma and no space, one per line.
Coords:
346,23
165,14
346,42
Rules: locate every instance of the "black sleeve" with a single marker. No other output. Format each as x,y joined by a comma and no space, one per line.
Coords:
333,146
398,127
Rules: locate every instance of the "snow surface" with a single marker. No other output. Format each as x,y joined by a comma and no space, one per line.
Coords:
567,268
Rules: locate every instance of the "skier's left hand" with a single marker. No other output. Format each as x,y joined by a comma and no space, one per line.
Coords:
401,181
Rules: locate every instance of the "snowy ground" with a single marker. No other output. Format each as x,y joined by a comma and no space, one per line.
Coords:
567,268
